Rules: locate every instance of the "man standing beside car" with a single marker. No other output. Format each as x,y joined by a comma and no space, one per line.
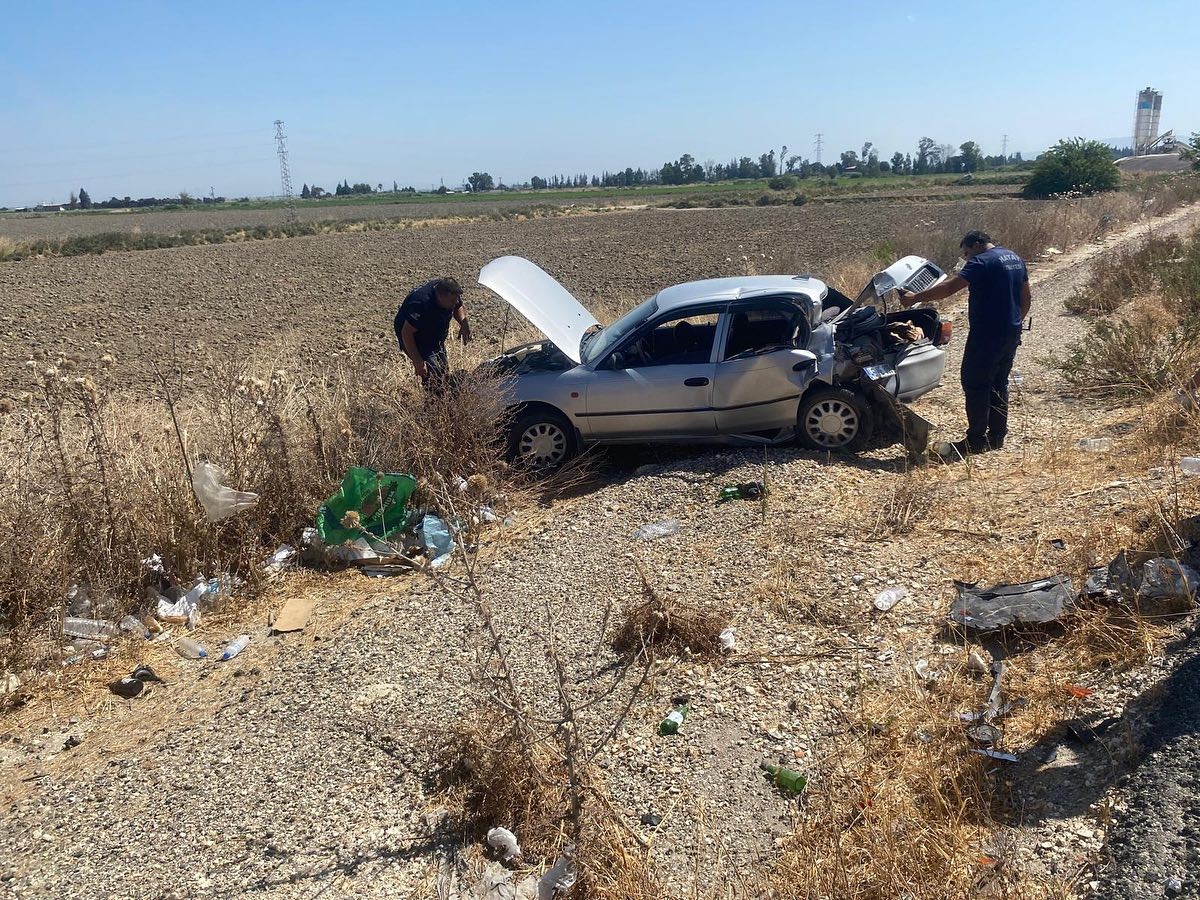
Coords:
423,323
998,302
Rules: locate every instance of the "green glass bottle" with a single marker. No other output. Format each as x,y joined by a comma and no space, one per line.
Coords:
787,780
670,725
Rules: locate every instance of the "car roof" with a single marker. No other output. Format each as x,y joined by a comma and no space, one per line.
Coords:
722,289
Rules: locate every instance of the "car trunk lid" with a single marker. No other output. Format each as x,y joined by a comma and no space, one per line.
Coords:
543,301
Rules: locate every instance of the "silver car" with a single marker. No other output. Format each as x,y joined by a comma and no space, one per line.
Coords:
761,359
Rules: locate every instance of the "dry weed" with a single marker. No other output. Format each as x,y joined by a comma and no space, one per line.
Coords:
660,622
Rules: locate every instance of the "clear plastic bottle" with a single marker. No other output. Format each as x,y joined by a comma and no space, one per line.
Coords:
190,649
889,597
1095,445
89,629
1190,465
234,647
133,626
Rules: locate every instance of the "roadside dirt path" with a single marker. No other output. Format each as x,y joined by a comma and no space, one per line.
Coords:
302,768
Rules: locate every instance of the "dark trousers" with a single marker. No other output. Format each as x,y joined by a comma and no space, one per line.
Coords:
438,365
986,364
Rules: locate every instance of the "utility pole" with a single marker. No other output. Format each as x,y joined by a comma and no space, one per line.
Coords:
285,174
1004,152
819,144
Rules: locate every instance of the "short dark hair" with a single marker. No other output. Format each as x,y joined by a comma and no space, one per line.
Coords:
971,238
448,286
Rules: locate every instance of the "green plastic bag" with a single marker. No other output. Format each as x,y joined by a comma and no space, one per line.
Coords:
368,503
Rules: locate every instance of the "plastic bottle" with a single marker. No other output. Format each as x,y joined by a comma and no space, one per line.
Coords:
89,629
131,625
657,530
234,647
190,649
1190,465
674,719
889,597
787,780
1016,381
1095,445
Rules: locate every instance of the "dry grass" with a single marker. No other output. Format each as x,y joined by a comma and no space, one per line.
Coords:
1124,273
664,623
95,482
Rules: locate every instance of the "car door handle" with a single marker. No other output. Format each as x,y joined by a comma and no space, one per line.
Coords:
695,382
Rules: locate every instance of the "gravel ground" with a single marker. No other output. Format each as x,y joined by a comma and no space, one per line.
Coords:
302,768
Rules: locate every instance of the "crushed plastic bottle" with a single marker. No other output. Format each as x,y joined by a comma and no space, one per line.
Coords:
190,649
89,629
1094,445
889,597
787,780
132,625
674,719
505,842
657,530
234,647
1190,465
559,877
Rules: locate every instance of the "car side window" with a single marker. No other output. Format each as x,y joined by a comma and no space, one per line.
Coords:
753,330
682,340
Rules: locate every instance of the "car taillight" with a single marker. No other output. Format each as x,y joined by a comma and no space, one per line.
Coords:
944,333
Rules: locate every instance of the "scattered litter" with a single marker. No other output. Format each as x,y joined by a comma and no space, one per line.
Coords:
983,733
99,653
294,615
436,539
1034,602
1190,465
889,597
728,639
501,838
673,721
657,530
234,647
921,667
995,754
1078,692
190,649
132,625
134,683
385,570
1166,579
787,780
285,557
367,503
460,484
976,663
1053,251
749,490
988,715
1094,445
72,742
651,820
1058,544
9,683
219,500
993,703
89,629
559,877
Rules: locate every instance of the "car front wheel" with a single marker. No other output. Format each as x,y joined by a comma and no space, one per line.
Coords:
540,440
834,419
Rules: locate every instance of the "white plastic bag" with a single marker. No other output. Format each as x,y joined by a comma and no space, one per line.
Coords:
219,501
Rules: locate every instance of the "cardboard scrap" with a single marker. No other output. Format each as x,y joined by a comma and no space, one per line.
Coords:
294,615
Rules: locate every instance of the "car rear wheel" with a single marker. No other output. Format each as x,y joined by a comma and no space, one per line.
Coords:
540,440
834,419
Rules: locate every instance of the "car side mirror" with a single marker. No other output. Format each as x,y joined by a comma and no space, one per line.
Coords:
805,360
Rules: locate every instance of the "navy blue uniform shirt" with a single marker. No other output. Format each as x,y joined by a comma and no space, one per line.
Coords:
995,277
430,321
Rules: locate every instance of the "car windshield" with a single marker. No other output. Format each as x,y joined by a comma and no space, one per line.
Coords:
609,337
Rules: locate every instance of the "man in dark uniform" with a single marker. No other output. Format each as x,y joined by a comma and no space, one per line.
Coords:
997,304
423,322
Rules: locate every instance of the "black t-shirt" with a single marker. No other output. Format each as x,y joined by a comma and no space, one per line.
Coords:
430,321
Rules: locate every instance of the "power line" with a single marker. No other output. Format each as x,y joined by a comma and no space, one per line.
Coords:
285,174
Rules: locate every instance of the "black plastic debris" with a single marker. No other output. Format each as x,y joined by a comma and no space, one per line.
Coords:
1031,603
651,820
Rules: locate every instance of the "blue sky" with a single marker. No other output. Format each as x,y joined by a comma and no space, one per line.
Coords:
154,98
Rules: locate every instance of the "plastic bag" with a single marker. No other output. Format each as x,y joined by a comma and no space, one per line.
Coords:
435,537
219,500
368,503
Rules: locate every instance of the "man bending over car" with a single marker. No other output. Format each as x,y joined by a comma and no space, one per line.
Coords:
998,302
422,324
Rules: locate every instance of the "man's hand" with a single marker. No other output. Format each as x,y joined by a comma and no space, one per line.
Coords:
420,367
464,331
907,298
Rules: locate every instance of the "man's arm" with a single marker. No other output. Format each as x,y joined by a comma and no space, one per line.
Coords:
464,327
951,285
408,339
1026,301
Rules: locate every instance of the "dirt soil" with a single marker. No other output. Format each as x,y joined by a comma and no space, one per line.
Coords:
303,767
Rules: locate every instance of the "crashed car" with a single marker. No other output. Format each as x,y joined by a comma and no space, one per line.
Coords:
763,359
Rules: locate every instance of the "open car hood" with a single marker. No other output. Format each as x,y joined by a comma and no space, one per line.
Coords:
913,273
541,300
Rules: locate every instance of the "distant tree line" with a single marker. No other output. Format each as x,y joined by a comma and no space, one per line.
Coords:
83,200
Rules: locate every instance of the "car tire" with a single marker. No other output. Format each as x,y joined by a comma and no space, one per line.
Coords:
834,420
541,440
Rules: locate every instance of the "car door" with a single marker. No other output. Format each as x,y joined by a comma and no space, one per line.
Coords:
658,383
763,366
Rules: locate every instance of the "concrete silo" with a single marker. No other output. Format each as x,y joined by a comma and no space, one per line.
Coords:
1145,123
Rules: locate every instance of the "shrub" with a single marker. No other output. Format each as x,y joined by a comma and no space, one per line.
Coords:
1122,274
1073,165
782,182
799,200
1141,356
